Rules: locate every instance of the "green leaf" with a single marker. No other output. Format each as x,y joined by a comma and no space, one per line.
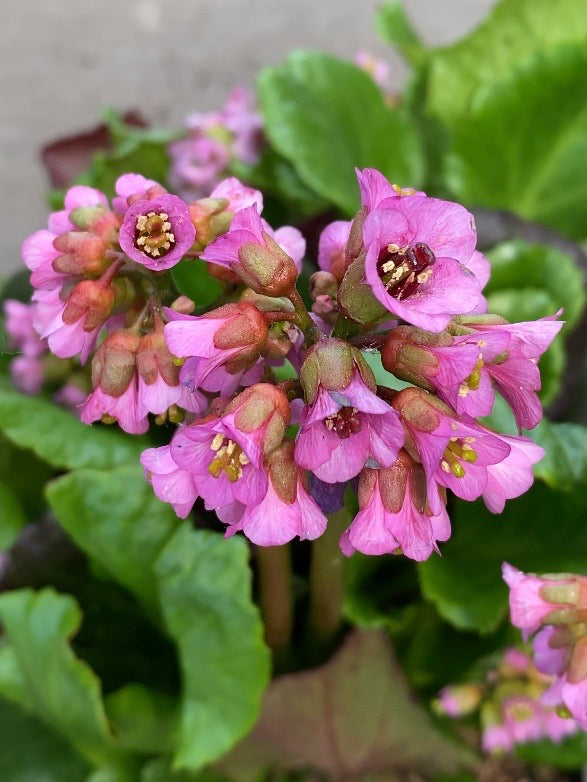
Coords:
349,719
117,520
160,770
543,531
12,517
326,116
31,752
522,145
57,687
26,475
61,439
565,461
205,589
530,281
193,279
569,754
143,720
394,27
514,31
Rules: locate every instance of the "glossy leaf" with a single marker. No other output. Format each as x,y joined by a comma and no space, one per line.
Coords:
543,531
513,32
12,516
205,592
53,683
117,520
522,145
327,116
59,438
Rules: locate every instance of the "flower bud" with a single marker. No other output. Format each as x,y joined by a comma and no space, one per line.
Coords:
267,268
323,284
114,363
356,298
331,364
420,410
261,410
406,354
91,300
211,218
184,305
81,253
278,343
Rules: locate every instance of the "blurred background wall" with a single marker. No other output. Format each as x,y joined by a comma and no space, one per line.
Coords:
62,61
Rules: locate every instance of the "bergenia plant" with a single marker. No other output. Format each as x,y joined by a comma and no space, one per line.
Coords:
303,346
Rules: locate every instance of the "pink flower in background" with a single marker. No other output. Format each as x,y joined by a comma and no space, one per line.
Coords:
331,248
379,70
22,336
131,188
529,609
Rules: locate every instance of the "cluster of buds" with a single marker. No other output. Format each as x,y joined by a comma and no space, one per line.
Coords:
510,704
551,609
278,408
201,159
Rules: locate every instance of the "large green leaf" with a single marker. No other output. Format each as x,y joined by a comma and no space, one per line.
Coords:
61,439
514,31
326,116
565,462
30,752
530,281
143,720
117,520
12,516
205,590
52,682
522,145
543,531
568,754
193,279
394,27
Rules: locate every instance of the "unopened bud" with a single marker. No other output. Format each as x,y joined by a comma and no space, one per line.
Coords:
458,700
278,343
283,471
114,363
211,219
81,253
406,354
262,408
420,410
267,268
245,326
331,364
90,300
184,305
323,284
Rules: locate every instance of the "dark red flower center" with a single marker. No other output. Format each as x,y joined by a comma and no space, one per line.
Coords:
344,423
153,234
403,269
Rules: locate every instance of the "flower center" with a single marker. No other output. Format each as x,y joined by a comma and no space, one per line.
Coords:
344,423
403,269
230,458
473,381
458,450
153,234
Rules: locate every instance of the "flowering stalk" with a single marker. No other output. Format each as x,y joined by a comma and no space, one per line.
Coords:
276,598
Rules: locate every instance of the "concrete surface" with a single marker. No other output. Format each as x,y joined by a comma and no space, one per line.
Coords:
63,60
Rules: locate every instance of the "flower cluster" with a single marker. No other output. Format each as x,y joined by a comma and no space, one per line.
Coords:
278,406
213,141
510,702
552,610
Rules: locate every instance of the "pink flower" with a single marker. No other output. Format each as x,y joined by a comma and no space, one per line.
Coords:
394,513
417,249
286,511
377,69
570,692
159,386
197,165
458,700
131,188
331,248
245,123
513,476
19,319
170,483
229,337
344,429
27,373
376,189
249,250
239,196
72,397
529,608
551,650
496,739
114,378
158,232
454,452
225,454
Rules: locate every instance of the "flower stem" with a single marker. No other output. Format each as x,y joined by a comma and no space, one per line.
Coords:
304,321
327,584
276,598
